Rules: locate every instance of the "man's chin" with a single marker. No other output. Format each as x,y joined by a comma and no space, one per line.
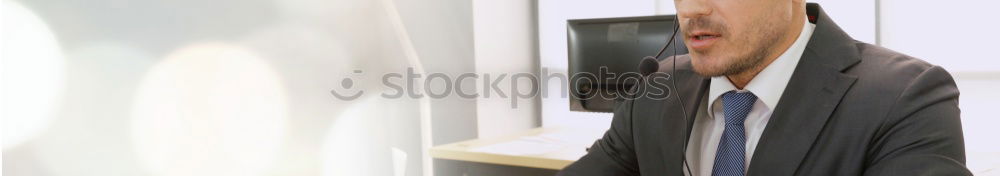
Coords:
704,68
708,72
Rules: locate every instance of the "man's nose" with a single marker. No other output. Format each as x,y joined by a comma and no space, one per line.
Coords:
687,9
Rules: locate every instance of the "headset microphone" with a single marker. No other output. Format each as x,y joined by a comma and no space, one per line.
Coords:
648,65
651,64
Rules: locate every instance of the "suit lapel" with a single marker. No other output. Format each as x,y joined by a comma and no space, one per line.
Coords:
798,119
813,93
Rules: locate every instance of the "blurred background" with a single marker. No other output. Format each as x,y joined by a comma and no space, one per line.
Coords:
243,87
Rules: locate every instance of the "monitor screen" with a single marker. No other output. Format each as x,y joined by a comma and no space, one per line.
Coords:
604,52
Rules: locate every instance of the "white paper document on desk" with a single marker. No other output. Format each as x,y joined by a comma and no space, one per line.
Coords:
522,146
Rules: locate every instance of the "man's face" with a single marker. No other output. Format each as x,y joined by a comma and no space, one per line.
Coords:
727,37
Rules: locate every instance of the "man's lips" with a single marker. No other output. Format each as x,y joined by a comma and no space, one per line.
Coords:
701,40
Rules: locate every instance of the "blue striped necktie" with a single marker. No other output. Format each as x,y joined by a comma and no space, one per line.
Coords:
730,157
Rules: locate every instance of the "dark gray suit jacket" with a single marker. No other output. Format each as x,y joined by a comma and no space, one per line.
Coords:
850,108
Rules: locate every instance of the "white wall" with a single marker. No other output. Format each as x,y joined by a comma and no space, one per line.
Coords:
959,35
504,44
854,16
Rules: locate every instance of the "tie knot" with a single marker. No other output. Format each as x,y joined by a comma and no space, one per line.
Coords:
736,106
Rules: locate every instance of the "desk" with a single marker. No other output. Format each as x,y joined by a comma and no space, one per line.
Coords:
547,148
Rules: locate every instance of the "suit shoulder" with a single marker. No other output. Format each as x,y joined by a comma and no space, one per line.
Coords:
888,66
885,76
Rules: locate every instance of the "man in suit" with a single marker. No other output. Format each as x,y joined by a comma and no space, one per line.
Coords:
774,87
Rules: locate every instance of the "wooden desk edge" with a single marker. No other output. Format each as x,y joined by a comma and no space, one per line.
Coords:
511,160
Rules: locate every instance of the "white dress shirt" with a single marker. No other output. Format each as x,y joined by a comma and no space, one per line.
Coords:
768,86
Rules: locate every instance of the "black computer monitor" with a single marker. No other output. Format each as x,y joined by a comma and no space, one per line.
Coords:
617,44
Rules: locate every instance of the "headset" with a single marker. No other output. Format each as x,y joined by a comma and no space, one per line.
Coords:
651,64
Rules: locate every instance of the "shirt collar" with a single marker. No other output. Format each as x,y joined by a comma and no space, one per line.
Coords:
770,83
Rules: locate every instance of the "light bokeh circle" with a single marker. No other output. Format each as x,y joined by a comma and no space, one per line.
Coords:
91,136
209,109
31,74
